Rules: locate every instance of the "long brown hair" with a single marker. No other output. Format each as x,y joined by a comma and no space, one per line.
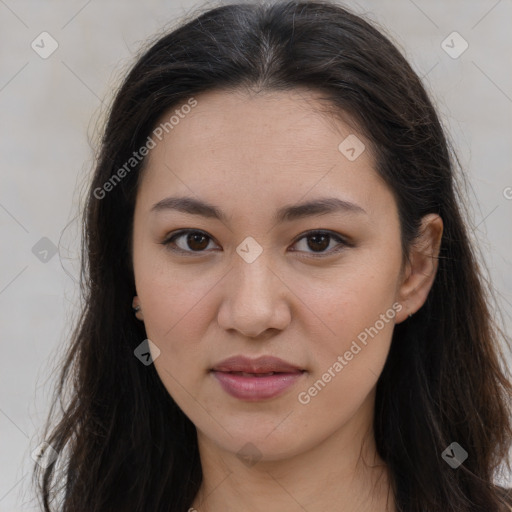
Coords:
123,442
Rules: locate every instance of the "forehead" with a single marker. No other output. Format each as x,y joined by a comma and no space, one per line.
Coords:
297,118
279,143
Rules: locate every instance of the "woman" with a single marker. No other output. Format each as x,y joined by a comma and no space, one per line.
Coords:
275,199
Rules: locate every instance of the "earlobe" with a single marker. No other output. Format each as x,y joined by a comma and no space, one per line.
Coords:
421,267
137,308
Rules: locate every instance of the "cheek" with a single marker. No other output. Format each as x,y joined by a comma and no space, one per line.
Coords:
352,299
360,329
168,291
174,318
358,310
173,307
348,362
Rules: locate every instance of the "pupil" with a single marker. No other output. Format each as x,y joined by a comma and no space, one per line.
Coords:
323,245
193,238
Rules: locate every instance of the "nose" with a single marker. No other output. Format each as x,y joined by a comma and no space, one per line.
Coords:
255,300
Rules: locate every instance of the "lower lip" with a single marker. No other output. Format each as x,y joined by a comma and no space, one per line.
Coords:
256,388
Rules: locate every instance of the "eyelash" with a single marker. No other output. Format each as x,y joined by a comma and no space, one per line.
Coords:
334,236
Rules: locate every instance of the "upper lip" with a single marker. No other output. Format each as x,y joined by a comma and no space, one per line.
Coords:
263,364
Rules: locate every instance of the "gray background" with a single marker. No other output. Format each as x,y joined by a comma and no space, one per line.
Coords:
51,109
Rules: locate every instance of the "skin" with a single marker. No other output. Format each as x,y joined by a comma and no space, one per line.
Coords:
250,154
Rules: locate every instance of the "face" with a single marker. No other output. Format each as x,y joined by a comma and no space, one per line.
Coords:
318,287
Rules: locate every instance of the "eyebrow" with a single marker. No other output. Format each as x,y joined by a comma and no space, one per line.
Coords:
289,213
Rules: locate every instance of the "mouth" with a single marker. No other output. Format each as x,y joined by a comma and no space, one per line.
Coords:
256,379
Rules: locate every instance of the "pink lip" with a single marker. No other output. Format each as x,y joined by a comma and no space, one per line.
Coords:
255,388
262,364
251,387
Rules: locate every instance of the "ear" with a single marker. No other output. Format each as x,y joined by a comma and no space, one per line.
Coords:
420,270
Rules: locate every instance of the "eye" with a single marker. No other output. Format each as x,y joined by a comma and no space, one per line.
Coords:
321,240
195,241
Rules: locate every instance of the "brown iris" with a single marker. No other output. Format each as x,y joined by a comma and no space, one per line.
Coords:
324,243
194,241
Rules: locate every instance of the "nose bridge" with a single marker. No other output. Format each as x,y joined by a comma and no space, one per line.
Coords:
253,302
254,282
